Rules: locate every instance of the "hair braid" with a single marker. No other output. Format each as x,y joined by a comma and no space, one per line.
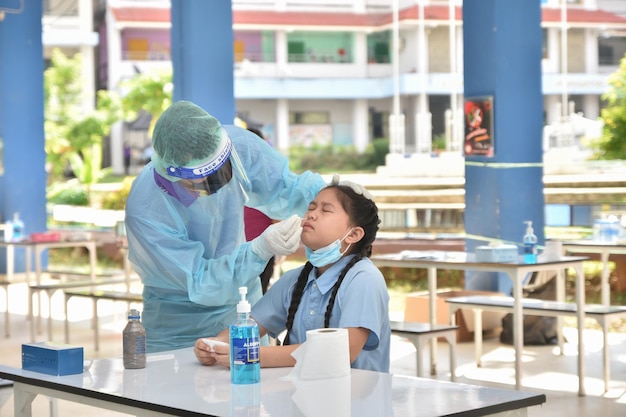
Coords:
296,297
331,301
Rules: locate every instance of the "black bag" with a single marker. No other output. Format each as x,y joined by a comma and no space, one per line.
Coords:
538,330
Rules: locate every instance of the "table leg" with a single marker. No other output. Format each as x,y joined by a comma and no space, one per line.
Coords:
606,368
478,336
7,315
38,251
518,325
432,287
604,285
560,297
91,247
10,262
580,303
22,400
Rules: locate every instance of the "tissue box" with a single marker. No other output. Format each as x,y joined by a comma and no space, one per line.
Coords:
52,358
500,253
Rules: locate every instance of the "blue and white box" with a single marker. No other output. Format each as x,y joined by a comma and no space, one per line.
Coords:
499,253
52,358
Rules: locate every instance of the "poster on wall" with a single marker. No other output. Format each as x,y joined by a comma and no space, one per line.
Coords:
478,115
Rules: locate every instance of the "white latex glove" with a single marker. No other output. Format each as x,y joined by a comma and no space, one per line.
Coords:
282,238
357,188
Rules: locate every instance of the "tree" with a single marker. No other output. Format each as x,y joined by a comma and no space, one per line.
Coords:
151,93
612,144
74,139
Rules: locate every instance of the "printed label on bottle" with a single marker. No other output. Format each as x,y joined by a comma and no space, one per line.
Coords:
245,350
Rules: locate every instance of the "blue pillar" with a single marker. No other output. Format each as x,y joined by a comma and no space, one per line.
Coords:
23,178
202,55
502,58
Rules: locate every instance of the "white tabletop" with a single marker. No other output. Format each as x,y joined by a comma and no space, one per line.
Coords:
174,382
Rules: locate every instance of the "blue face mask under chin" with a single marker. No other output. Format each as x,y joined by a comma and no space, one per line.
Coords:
328,254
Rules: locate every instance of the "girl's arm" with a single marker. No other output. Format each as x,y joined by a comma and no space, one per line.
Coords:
279,356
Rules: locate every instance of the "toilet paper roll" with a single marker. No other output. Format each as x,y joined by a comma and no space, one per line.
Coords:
553,250
324,354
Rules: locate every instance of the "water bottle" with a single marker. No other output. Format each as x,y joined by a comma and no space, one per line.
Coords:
134,342
18,228
245,366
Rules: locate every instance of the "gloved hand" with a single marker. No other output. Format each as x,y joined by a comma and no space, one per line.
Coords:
357,188
282,238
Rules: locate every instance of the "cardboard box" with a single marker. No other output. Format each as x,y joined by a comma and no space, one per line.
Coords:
417,309
52,358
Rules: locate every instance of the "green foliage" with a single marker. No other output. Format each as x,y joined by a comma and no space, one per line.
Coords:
612,144
68,193
439,142
117,200
333,158
150,92
74,138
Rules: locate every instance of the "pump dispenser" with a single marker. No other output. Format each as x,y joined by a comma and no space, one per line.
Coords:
245,367
530,244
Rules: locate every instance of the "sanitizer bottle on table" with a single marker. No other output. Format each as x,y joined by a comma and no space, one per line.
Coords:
530,244
245,367
18,228
134,342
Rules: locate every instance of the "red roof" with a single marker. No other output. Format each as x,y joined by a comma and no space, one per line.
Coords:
432,12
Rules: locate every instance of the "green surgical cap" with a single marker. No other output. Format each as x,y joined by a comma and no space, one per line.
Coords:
185,133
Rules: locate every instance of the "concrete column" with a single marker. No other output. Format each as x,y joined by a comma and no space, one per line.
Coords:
22,163
282,124
591,106
360,125
507,189
202,56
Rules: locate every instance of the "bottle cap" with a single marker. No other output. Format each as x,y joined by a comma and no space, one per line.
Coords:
243,306
134,314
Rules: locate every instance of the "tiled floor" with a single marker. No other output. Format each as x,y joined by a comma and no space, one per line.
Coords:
544,370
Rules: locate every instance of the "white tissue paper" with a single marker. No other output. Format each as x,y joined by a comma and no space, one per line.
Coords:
324,354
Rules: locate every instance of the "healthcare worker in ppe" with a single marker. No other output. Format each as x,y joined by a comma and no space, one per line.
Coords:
184,221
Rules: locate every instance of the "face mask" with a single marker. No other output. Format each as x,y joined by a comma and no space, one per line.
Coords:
328,254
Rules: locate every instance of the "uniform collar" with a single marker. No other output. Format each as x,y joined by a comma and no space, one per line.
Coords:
327,280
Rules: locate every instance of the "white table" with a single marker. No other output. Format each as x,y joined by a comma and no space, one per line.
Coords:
39,248
174,383
604,249
516,271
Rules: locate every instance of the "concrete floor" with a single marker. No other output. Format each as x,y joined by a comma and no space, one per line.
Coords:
544,370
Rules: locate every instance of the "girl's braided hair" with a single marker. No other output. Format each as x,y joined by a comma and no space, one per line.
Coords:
362,212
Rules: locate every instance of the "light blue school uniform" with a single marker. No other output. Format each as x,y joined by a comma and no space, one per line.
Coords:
362,301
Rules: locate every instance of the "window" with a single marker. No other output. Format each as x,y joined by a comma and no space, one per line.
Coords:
378,48
309,118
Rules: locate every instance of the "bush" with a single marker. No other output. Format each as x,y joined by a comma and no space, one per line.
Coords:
66,193
117,200
334,158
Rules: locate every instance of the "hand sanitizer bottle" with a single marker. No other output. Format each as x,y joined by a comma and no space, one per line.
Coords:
18,228
530,244
245,366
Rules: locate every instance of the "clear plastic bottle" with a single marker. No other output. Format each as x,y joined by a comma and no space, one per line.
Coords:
18,228
134,342
245,366
530,244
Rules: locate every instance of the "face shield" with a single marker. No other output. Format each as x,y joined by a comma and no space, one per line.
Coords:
210,175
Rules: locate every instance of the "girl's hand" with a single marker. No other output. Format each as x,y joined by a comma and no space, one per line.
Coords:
221,355
203,351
